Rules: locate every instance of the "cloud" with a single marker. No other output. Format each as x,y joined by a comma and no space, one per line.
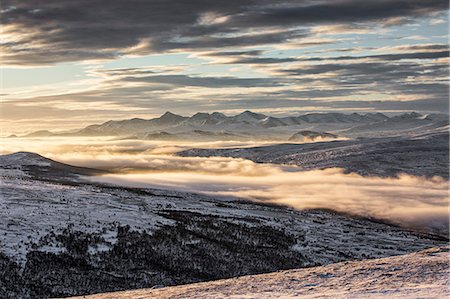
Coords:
407,200
46,32
388,57
406,80
232,53
253,57
242,57
340,11
138,155
209,82
262,60
386,77
366,70
417,47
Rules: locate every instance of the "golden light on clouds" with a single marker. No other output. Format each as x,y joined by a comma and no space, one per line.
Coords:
407,200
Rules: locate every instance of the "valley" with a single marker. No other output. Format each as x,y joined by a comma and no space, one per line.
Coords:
186,208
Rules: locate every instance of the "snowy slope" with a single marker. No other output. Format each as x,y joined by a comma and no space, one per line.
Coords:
421,155
20,159
31,164
167,237
423,274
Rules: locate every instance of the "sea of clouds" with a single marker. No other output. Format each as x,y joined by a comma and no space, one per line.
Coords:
405,200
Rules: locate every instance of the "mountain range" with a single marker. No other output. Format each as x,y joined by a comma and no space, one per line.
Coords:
219,126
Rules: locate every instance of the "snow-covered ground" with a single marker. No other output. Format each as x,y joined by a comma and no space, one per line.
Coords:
423,274
31,209
168,237
418,154
63,233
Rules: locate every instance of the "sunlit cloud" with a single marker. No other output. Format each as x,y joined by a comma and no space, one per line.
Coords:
406,200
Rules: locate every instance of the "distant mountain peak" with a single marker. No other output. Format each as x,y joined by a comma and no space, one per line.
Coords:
170,118
247,114
201,115
169,114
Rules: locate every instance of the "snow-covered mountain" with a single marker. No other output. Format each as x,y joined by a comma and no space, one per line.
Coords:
261,126
342,118
404,123
134,125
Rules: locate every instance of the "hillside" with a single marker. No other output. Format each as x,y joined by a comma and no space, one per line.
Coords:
423,274
29,164
65,236
420,155
312,136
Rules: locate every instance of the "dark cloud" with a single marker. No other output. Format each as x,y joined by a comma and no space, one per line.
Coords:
163,81
209,82
254,58
262,60
388,77
422,47
369,72
398,56
233,53
340,11
210,42
54,31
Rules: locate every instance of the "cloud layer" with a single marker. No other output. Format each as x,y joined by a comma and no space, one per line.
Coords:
407,200
41,32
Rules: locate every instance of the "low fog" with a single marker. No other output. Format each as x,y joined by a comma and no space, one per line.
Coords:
407,200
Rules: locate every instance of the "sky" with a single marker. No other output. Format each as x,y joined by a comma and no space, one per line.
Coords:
67,64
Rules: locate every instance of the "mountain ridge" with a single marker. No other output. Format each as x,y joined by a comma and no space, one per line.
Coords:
246,120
